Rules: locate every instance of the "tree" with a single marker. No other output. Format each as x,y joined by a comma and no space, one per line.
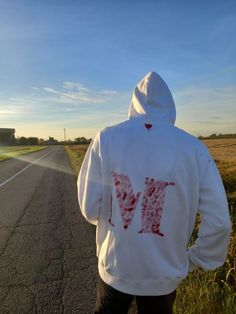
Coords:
81,140
23,140
42,141
33,141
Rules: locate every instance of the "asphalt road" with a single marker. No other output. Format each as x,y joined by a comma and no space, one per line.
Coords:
47,250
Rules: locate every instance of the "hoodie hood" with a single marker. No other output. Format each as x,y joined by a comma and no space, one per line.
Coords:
152,99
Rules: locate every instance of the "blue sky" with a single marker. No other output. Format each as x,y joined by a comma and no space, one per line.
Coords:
73,64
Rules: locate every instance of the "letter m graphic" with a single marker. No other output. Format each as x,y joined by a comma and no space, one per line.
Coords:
152,202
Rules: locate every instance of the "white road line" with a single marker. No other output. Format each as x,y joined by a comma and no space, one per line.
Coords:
19,172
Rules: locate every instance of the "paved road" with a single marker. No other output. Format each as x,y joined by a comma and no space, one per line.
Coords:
47,251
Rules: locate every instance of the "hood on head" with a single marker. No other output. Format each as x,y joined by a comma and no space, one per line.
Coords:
152,99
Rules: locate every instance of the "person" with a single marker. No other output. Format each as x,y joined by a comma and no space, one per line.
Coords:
142,182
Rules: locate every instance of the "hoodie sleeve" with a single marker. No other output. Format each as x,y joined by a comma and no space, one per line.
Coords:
90,183
210,249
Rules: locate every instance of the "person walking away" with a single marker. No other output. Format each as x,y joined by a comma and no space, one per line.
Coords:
141,183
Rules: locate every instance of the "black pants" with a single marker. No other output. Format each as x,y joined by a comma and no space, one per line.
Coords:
111,301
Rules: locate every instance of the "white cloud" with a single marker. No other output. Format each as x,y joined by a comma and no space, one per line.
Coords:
72,105
110,92
77,93
75,86
50,90
80,98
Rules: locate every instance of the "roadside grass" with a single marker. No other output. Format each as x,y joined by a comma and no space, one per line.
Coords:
7,152
76,155
202,292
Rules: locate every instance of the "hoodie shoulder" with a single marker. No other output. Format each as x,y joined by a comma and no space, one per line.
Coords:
192,140
114,128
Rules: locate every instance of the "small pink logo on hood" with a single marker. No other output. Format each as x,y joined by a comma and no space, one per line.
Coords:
148,126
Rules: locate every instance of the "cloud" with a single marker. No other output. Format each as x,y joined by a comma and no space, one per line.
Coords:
109,92
76,86
50,90
71,105
200,109
13,108
77,93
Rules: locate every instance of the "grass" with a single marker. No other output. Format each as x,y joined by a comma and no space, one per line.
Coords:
7,152
224,154
76,155
202,292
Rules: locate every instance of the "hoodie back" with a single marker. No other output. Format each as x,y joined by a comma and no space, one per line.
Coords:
142,183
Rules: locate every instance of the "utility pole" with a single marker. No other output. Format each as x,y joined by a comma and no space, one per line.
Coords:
64,134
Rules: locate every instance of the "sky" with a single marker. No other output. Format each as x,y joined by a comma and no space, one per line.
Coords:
73,64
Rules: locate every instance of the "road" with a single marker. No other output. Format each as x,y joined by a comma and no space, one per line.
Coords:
47,250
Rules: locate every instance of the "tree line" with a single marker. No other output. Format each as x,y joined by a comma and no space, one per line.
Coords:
80,140
22,140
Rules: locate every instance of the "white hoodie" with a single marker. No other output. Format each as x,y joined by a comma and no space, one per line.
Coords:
141,183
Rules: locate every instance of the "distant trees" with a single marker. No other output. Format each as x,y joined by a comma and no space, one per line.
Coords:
82,140
27,140
33,140
7,138
42,141
51,141
22,140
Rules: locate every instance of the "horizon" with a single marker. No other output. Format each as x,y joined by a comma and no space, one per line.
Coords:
216,135
74,64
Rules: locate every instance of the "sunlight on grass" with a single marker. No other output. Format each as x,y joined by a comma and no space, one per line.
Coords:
7,152
76,155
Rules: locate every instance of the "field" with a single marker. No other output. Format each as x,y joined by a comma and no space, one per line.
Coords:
224,154
7,152
203,292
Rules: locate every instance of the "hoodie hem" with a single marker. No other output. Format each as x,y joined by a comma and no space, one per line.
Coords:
143,287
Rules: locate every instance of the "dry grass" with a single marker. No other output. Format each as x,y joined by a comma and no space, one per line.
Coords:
224,154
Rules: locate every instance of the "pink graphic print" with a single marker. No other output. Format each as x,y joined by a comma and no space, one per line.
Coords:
126,198
152,205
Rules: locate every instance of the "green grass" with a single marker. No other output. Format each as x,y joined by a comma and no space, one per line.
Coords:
7,152
202,292
76,155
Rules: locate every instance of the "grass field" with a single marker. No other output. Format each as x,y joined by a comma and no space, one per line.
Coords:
7,152
224,154
203,292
